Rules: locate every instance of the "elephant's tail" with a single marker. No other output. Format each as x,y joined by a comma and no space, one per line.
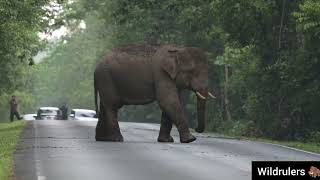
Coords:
96,96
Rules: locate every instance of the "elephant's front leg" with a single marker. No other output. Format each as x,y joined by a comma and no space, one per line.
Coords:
170,104
108,127
165,129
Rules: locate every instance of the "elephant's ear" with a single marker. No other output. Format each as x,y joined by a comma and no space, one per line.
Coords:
186,59
169,64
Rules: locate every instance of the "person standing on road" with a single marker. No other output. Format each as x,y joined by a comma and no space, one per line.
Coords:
14,109
64,111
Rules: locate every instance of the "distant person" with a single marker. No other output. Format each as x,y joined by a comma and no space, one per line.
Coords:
64,111
14,108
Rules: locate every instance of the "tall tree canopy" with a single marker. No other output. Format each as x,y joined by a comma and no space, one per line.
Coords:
20,24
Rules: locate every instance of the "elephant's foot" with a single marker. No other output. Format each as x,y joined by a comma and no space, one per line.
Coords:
164,134
108,133
188,138
165,139
112,138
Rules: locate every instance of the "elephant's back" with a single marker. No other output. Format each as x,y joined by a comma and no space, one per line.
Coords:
130,62
131,59
137,49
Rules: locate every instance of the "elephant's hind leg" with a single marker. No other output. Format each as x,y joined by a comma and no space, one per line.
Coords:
165,129
108,128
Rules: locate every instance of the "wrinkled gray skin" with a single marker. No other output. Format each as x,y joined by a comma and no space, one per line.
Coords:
137,74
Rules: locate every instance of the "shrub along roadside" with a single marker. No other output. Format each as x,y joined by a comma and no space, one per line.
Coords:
9,137
307,146
246,130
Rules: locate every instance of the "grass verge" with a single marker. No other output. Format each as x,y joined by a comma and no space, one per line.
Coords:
307,146
9,137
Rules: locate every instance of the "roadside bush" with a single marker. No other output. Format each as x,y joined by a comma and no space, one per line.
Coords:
314,137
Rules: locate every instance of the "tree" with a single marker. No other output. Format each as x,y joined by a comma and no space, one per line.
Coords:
21,21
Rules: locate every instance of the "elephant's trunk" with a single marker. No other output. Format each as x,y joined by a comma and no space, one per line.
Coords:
201,110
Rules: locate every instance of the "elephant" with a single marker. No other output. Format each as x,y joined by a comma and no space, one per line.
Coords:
140,73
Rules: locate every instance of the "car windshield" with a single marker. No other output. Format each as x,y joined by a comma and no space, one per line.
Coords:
49,112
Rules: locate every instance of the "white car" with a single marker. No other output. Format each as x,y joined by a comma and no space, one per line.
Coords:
29,117
83,115
49,113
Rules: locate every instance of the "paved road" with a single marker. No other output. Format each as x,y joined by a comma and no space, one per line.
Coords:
66,150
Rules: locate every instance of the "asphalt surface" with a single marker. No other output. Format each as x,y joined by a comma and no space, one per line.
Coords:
66,150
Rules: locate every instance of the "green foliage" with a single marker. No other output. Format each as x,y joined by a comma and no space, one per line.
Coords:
21,21
66,76
315,137
271,83
9,137
238,128
309,16
308,146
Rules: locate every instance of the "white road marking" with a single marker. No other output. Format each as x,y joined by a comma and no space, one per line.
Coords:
292,148
36,154
41,178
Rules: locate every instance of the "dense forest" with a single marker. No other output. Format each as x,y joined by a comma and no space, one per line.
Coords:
264,57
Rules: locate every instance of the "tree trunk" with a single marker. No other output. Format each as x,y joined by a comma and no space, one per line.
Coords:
226,97
281,23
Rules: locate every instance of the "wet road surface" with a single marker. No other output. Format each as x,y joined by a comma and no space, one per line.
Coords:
67,150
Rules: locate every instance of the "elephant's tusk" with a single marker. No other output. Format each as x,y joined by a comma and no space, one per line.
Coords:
200,95
211,95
